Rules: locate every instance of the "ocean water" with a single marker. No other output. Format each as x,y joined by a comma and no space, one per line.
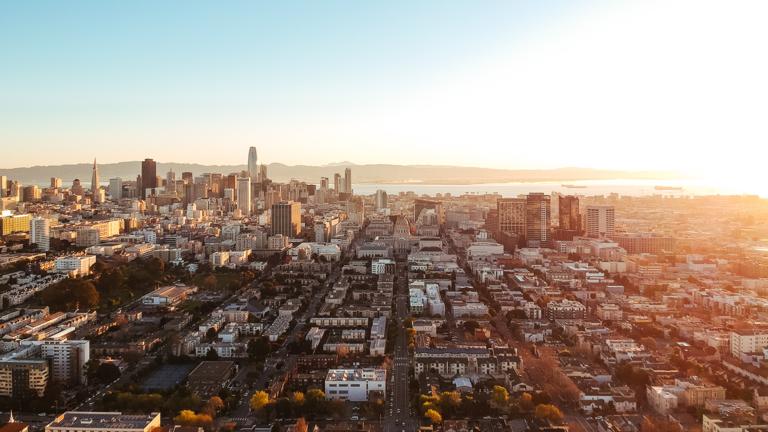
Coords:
590,188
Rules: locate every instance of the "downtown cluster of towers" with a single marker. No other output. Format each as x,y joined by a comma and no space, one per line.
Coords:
527,220
244,189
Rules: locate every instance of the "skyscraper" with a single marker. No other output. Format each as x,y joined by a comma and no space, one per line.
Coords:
41,233
511,216
348,181
244,195
286,218
116,188
170,182
56,183
568,215
537,219
148,176
253,164
380,200
600,221
95,182
262,173
424,204
337,183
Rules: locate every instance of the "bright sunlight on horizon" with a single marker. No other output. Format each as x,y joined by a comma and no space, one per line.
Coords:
677,86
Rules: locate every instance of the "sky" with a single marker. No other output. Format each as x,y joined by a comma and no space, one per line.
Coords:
645,85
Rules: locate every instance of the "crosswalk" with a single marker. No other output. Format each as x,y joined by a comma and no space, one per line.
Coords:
241,420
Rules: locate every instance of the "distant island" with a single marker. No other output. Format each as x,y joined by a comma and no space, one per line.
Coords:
374,173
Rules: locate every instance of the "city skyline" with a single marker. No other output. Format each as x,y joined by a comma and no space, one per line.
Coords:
479,87
338,216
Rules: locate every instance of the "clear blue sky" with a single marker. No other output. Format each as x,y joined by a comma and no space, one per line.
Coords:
469,83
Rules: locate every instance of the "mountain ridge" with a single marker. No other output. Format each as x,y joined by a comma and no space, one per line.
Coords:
361,173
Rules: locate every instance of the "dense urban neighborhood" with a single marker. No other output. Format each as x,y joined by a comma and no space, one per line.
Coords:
229,302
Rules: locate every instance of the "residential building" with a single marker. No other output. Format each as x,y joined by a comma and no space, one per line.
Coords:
286,218
356,385
601,220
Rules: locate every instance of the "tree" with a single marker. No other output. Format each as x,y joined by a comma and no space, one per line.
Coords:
525,402
649,343
450,401
259,400
433,416
209,282
314,401
106,373
659,425
155,267
70,294
212,355
190,418
213,406
499,398
297,398
258,348
548,412
301,425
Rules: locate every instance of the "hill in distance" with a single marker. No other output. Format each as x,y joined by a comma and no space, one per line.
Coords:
373,173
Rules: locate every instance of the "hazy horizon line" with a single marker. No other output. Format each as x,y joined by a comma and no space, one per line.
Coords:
352,164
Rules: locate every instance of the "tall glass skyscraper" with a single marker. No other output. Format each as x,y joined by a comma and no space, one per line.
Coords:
253,166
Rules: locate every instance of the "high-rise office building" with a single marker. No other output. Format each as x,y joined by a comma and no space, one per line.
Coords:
31,193
337,183
253,164
600,221
148,176
511,216
380,200
244,195
286,218
569,215
230,181
187,176
56,183
3,186
262,173
116,188
420,205
348,181
77,188
40,233
537,219
95,182
170,182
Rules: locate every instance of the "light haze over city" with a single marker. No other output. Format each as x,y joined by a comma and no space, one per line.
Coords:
624,85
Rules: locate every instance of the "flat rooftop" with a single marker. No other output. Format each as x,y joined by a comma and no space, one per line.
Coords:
356,375
102,420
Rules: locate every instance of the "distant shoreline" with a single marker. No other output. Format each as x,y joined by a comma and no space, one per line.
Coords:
661,181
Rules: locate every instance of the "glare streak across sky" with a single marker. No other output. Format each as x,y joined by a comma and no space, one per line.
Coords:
673,85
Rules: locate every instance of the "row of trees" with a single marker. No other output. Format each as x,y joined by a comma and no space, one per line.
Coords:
298,404
204,418
452,404
132,402
71,294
